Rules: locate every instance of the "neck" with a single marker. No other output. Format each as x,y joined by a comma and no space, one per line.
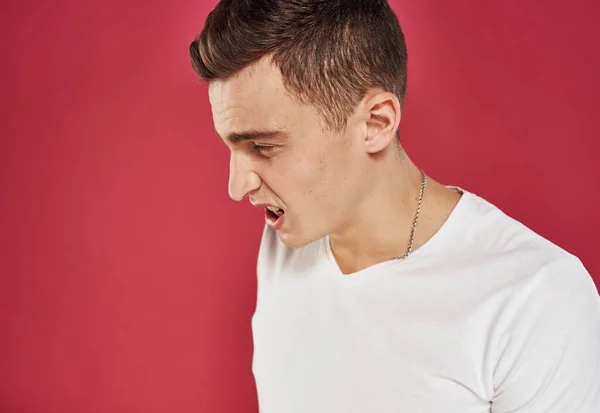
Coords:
380,227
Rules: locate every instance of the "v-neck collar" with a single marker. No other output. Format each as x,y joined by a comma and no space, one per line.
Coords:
369,273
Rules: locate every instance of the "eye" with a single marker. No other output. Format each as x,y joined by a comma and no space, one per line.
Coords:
260,149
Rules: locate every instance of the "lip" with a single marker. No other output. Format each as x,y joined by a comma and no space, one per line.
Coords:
277,224
262,205
265,205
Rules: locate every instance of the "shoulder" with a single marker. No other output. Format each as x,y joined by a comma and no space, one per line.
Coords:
487,231
549,296
511,259
549,339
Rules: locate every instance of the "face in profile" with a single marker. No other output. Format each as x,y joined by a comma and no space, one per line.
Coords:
283,156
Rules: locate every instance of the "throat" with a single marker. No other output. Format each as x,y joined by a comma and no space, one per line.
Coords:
350,263
355,252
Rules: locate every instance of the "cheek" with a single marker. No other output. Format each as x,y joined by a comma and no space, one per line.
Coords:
298,183
315,188
314,178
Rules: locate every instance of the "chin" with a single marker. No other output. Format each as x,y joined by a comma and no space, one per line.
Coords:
295,241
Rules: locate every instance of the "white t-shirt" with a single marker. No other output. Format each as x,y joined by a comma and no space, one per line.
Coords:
486,316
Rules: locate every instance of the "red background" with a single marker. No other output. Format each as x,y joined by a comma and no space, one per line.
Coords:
128,276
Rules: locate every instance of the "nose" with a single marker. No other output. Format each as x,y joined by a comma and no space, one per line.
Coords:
242,179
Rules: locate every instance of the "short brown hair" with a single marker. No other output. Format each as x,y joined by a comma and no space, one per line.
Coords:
329,52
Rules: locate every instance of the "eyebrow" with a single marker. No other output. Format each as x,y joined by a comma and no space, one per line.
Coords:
250,135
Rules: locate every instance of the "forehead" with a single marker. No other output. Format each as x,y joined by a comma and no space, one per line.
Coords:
254,98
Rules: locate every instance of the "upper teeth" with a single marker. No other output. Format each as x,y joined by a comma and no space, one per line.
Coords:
275,210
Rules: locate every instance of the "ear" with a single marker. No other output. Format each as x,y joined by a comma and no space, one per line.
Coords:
382,115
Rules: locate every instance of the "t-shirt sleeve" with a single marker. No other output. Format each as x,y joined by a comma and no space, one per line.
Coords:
550,349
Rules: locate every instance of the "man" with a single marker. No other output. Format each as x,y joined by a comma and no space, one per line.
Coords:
379,289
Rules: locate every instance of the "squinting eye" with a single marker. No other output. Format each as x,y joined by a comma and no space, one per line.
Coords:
261,149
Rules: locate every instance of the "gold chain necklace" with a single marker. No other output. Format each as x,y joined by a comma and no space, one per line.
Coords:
414,224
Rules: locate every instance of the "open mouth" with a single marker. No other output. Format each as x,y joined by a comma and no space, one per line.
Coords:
274,213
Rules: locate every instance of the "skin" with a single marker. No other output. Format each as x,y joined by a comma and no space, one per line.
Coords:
357,185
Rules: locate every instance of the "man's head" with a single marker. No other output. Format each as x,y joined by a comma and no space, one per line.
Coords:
321,84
